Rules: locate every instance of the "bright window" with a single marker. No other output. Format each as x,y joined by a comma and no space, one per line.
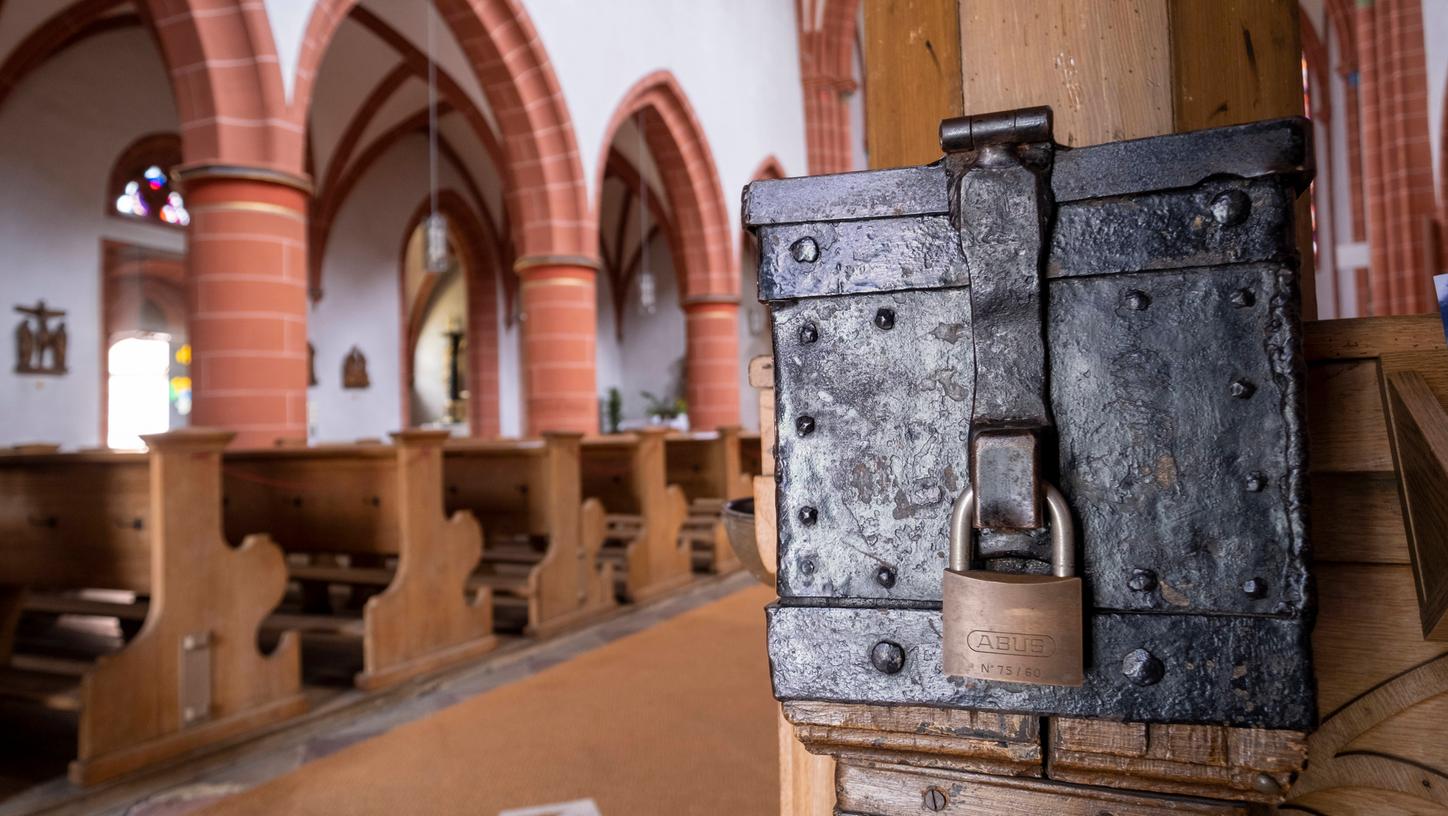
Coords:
139,391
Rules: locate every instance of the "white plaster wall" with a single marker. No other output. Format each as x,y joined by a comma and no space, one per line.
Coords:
736,60
60,133
361,305
510,370
650,357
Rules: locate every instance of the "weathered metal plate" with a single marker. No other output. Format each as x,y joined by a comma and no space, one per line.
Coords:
886,455
1166,469
1230,670
1174,230
1279,147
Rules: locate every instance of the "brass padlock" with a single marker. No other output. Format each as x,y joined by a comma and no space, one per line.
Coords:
1011,627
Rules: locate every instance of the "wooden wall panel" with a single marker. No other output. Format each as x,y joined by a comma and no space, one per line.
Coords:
912,78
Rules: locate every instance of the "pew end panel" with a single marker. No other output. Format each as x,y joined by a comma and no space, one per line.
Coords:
373,502
192,675
710,468
628,474
428,617
527,497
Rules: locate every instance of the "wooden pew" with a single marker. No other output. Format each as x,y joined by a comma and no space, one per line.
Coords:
627,473
150,524
710,468
751,453
542,560
375,501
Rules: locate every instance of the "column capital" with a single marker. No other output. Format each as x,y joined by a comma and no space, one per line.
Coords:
190,174
536,264
704,304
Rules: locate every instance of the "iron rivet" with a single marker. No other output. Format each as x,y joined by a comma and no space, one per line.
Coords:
1142,580
1231,208
885,577
1256,482
808,516
1137,300
137,524
807,566
805,425
1142,668
1266,783
888,657
935,799
1242,389
1255,587
808,333
805,250
1242,298
885,319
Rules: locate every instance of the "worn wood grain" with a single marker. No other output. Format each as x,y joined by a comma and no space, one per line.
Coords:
1420,445
1347,431
1356,517
912,76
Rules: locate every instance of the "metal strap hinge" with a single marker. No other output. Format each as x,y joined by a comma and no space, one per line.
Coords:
1001,206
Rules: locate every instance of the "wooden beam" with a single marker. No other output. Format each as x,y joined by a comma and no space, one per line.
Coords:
912,78
1420,445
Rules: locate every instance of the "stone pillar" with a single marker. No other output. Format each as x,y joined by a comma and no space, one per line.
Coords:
712,337
560,327
247,293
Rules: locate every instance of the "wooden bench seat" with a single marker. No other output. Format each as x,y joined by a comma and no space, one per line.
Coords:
149,524
374,502
711,469
626,472
543,536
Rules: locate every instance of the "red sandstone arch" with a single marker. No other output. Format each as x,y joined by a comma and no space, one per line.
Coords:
545,193
227,81
676,141
480,264
826,64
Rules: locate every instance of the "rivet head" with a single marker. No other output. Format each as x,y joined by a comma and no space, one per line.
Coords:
1266,783
885,577
807,566
935,799
1242,298
805,250
1256,482
808,516
1254,588
888,657
1231,208
1137,300
1242,389
1142,668
808,333
805,425
1142,580
885,319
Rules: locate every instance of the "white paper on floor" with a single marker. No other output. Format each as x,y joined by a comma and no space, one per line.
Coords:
581,807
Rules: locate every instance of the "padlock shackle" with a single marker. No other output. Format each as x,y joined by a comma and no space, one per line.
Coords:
1063,532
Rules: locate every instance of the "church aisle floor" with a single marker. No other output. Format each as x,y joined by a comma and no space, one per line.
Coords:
676,719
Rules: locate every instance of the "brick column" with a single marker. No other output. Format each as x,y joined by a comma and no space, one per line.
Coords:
712,337
560,327
247,290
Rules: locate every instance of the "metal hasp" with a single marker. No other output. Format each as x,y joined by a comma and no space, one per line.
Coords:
1144,356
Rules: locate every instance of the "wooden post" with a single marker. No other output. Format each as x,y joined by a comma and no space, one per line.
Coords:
1126,69
912,52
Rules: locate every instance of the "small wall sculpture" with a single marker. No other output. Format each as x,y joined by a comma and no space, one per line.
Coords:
39,346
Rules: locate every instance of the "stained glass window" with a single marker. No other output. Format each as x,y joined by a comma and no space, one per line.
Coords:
142,185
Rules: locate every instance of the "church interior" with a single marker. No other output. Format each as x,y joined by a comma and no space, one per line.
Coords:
405,408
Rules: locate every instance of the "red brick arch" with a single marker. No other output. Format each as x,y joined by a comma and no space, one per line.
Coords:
544,190
677,144
227,81
480,261
827,31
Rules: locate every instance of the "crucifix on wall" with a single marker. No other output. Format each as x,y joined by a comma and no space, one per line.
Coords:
39,346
